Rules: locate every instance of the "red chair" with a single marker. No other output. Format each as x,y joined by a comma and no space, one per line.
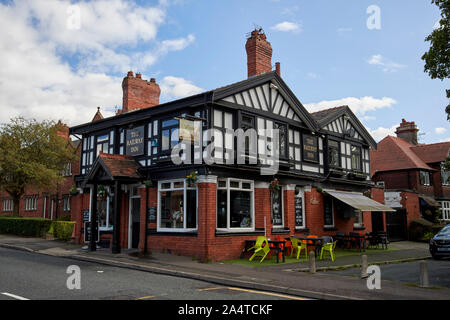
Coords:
311,246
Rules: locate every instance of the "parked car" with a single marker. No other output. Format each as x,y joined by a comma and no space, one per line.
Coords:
440,244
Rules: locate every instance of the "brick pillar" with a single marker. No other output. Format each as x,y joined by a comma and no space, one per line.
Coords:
206,215
289,207
314,211
262,206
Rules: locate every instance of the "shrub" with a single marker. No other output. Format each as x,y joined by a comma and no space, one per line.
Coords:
64,218
30,227
422,229
63,229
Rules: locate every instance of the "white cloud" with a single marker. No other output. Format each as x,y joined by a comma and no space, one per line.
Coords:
287,26
342,31
358,105
440,130
174,87
381,133
385,64
36,78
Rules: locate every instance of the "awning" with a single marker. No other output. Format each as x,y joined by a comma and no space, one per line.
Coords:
359,201
430,201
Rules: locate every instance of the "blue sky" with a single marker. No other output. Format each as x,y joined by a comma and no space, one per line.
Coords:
53,65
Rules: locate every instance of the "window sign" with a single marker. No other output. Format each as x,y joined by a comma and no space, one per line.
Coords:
135,141
310,148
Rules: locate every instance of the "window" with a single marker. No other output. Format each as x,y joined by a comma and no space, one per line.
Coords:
66,203
333,154
177,206
67,170
102,144
104,210
249,144
425,178
223,135
169,134
277,207
445,210
8,205
282,139
295,148
235,204
328,216
445,175
358,223
356,158
299,209
31,203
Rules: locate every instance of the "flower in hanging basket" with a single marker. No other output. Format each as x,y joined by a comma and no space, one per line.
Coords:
274,184
101,192
74,191
148,183
191,179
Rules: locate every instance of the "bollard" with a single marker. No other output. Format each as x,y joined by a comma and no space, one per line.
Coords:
312,262
424,275
364,266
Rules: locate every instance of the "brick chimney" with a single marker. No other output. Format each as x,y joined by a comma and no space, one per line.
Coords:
139,93
408,131
259,53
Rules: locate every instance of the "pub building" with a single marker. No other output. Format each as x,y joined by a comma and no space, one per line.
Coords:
143,199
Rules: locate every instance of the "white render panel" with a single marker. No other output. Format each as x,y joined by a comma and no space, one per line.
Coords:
254,99
248,103
277,106
343,162
349,163
262,100
310,168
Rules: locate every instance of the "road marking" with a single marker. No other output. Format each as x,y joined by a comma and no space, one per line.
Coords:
14,296
145,298
257,292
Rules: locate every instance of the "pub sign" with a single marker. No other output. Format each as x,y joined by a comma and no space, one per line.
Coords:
135,141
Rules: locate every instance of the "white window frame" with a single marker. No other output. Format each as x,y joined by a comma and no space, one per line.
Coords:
66,203
31,203
185,188
445,207
300,194
252,202
444,175
8,205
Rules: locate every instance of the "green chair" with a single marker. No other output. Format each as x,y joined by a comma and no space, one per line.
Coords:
261,247
328,247
299,246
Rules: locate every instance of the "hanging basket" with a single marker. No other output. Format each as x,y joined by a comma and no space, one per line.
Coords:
274,185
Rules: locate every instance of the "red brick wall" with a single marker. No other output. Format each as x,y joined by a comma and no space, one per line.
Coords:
410,202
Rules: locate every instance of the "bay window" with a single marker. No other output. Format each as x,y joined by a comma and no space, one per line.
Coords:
177,206
235,204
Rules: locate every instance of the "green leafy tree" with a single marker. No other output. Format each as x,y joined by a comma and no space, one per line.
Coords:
32,155
437,59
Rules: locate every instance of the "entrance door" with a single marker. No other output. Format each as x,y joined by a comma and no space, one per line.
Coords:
135,221
396,225
377,222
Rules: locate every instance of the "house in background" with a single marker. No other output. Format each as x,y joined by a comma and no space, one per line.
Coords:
413,176
49,204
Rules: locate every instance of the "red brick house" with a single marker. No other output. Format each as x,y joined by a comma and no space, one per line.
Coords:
144,199
45,203
413,176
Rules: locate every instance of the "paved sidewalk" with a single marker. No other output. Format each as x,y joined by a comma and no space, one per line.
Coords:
288,278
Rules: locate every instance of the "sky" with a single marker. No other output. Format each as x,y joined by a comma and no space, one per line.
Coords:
61,59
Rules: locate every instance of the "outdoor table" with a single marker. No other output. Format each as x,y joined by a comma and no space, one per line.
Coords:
278,245
361,239
316,243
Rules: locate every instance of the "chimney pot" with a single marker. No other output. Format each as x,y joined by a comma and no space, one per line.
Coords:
138,75
408,131
130,74
278,68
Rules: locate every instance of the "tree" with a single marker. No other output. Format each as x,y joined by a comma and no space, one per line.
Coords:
437,59
32,155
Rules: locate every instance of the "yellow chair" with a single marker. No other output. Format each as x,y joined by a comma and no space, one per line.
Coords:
328,247
261,247
299,246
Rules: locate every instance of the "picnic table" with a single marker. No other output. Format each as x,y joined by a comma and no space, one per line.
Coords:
279,246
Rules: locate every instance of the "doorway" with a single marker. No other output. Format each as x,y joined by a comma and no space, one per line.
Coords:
396,225
377,222
134,219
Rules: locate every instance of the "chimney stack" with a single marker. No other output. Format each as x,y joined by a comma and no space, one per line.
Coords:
139,93
259,53
408,131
